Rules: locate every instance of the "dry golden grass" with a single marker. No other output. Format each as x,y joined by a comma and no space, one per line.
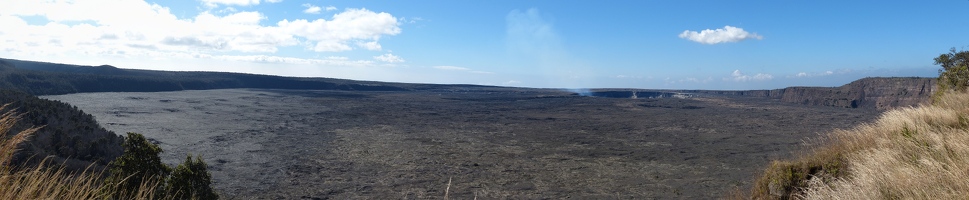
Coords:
908,153
43,182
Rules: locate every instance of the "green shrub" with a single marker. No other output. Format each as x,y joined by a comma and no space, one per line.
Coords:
139,165
191,180
954,75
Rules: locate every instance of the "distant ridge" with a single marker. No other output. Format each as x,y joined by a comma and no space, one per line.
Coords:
873,93
42,78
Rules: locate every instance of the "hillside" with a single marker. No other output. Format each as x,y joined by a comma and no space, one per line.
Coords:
68,136
908,153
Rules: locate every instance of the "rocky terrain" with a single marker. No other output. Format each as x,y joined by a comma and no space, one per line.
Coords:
873,93
357,139
489,143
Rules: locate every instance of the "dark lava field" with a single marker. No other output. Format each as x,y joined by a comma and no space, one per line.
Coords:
489,143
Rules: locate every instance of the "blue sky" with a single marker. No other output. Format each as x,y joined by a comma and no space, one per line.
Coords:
588,44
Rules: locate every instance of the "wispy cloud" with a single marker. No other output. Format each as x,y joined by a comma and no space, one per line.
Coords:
691,80
461,69
311,9
215,3
805,74
329,61
741,77
410,20
453,68
532,34
390,58
721,35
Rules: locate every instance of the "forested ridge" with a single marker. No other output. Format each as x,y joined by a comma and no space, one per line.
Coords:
68,135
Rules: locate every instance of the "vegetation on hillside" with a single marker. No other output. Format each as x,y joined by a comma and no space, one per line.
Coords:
41,181
908,153
954,75
68,135
139,165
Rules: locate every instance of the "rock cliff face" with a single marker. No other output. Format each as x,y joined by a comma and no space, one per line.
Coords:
877,93
872,93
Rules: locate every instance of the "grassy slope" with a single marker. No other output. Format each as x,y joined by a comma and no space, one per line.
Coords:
920,153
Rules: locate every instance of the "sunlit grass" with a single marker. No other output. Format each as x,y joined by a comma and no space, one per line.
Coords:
908,153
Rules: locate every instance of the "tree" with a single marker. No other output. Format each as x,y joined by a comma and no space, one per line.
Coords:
954,75
191,180
137,167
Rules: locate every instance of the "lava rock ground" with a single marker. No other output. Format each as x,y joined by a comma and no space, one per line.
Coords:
492,143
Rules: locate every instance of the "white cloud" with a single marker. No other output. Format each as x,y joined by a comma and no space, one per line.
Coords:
311,9
805,74
360,25
329,8
629,77
410,20
138,28
462,69
331,61
391,58
372,45
453,68
693,80
228,10
722,35
740,77
213,3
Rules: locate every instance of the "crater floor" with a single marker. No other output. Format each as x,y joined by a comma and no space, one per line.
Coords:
493,143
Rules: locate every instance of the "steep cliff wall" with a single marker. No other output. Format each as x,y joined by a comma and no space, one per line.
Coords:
883,93
873,93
